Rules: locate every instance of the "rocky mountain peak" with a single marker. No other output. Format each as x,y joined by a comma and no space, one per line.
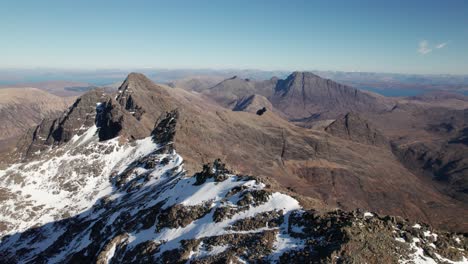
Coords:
136,81
303,75
303,82
130,113
138,92
355,128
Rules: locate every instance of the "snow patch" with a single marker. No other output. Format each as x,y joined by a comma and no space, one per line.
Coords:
368,214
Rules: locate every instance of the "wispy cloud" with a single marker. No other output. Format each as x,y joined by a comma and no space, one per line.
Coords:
441,45
424,47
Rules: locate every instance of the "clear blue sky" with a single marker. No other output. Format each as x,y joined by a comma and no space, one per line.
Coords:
381,36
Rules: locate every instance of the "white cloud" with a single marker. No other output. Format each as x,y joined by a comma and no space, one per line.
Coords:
424,47
441,45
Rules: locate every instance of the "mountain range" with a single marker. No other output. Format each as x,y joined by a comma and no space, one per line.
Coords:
129,176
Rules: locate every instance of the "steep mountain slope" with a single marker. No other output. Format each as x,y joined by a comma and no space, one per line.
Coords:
22,108
134,203
325,170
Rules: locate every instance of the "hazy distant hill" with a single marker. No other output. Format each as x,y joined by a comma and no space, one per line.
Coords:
196,83
59,88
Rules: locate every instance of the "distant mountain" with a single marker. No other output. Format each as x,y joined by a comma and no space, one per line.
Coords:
197,83
304,95
230,90
23,108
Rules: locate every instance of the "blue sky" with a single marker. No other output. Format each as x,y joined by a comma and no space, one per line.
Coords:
377,36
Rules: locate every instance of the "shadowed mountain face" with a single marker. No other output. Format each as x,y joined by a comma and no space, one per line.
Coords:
346,166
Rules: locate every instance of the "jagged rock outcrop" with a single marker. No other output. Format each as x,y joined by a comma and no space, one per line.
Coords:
352,127
73,122
364,237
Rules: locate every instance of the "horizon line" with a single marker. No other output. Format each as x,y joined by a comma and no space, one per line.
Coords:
130,69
